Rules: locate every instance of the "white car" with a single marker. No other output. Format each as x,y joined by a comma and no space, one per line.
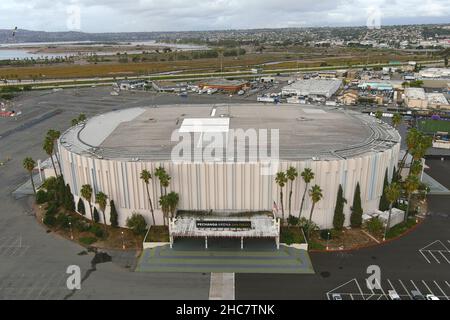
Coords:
393,295
431,297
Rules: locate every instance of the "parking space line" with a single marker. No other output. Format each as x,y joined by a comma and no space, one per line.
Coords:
414,285
447,284
431,253
351,296
359,288
428,288
437,285
406,290
444,257
423,254
381,287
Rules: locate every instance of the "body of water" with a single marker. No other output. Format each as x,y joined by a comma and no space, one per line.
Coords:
21,50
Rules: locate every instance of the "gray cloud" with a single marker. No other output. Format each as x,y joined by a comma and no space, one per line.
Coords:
173,15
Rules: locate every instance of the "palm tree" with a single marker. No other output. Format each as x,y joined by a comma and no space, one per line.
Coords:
48,148
393,193
164,202
54,135
316,195
411,185
29,164
173,198
308,176
160,173
416,168
281,180
146,176
101,199
165,181
379,115
397,120
291,174
412,138
86,193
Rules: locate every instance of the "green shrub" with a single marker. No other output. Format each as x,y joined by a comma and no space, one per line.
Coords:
293,221
375,226
81,208
137,223
97,231
113,215
357,210
88,240
96,215
49,220
41,197
81,225
63,220
52,208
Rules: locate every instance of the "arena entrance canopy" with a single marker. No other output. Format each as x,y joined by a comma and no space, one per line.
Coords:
222,225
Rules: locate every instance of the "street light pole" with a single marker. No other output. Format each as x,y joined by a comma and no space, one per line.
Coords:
328,239
71,232
123,242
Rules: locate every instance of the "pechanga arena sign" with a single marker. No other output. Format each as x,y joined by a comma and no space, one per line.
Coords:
223,224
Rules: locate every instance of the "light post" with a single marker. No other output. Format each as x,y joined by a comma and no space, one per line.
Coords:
71,232
328,239
123,242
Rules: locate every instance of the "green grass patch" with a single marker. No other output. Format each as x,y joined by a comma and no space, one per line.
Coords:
433,126
400,229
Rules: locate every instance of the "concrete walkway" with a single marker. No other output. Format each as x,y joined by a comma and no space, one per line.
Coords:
222,286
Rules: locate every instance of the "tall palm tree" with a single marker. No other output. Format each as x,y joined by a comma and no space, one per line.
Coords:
54,135
86,193
165,182
49,148
316,195
101,199
281,180
173,199
412,139
308,176
411,185
291,174
397,120
164,203
146,176
160,173
29,164
416,168
393,192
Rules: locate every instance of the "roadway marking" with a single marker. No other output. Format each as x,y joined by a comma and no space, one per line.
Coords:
352,293
435,249
440,289
222,286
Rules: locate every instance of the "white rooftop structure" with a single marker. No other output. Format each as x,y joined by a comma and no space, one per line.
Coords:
435,73
313,87
437,98
415,93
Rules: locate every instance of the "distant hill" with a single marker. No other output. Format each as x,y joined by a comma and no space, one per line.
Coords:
23,36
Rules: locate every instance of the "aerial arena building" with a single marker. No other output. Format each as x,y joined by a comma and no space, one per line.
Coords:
342,147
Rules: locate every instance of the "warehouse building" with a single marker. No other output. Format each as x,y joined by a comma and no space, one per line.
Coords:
342,147
313,87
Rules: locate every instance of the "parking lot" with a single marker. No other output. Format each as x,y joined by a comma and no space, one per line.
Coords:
358,290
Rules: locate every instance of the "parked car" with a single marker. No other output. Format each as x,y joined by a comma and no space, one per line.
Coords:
432,297
417,295
337,296
393,295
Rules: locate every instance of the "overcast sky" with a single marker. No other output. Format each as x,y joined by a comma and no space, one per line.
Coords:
185,15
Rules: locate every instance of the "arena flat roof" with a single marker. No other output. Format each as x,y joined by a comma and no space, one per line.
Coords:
306,132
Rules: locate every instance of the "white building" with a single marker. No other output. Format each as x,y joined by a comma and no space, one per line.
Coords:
313,87
341,147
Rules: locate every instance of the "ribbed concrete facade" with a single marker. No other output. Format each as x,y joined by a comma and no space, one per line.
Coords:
229,186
